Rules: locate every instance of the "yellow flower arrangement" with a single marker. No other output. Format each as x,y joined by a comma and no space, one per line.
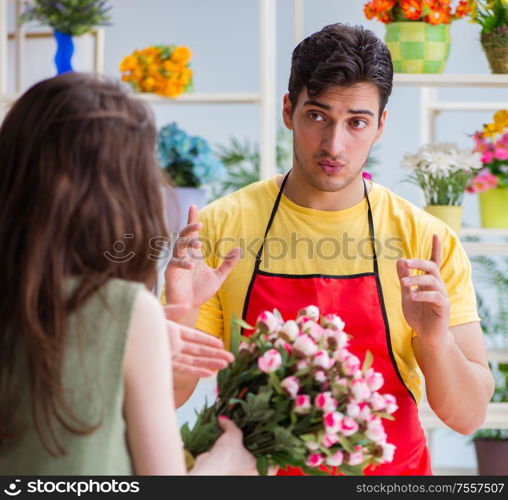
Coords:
161,69
498,126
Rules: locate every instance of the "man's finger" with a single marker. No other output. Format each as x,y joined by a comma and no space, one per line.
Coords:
435,255
425,282
427,266
228,263
192,216
190,229
403,272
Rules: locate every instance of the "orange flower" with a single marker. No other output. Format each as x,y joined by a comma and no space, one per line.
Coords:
181,55
383,5
438,17
412,9
385,17
463,9
369,11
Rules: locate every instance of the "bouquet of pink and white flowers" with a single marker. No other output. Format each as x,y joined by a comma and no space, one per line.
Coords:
301,398
492,144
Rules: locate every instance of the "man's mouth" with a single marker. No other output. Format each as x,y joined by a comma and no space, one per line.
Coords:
330,167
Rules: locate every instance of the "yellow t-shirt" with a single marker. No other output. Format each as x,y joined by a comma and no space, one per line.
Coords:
308,241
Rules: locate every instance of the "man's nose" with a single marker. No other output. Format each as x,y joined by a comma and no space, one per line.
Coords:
334,142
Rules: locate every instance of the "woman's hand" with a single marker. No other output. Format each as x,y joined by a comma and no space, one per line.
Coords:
228,457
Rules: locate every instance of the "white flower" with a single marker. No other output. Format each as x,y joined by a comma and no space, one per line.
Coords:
305,346
289,330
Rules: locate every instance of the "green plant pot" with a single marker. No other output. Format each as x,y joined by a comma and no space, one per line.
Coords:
450,214
494,208
418,47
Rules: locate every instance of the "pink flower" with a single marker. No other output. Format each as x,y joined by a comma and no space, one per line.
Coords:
270,361
367,175
353,409
365,412
336,459
377,402
281,343
325,402
388,453
332,422
311,312
322,360
245,346
374,380
336,339
391,403
348,426
305,346
268,323
315,460
291,385
302,404
501,154
375,431
487,157
329,440
356,458
312,445
320,376
360,390
289,331
302,364
333,322
350,363
313,329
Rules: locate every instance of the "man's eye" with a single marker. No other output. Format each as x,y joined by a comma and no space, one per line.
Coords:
359,124
316,117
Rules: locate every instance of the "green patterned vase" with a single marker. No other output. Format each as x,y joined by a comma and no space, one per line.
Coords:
418,47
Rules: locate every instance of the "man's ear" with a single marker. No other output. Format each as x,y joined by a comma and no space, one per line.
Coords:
381,127
286,112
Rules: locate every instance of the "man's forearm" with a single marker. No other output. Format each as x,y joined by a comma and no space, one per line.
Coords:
458,390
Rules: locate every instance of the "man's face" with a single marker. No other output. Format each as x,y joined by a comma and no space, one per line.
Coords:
334,133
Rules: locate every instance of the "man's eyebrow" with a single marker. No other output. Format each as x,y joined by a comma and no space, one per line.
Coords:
360,112
322,105
318,104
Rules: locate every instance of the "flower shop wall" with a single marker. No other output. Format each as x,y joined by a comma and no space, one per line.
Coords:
223,36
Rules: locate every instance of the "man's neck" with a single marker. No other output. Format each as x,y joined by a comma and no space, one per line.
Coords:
301,193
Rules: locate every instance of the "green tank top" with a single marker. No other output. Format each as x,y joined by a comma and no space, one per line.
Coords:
92,379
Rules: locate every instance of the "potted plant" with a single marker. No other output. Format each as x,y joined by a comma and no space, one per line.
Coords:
491,445
442,171
417,31
492,16
161,69
491,183
68,18
190,164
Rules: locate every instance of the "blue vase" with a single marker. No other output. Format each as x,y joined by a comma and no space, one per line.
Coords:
64,52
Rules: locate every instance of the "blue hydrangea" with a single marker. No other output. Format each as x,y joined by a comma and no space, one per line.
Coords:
188,159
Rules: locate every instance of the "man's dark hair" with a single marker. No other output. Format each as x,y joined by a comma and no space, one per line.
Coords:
341,55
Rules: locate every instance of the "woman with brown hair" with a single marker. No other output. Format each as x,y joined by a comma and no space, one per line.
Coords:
85,361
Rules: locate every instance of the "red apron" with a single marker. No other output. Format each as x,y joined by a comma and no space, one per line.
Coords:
358,300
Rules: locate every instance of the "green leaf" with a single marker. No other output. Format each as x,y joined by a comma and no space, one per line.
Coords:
346,444
262,465
367,363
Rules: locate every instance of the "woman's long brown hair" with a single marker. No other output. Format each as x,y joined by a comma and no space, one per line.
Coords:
78,172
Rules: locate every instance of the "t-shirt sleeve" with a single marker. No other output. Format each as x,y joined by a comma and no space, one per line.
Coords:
456,274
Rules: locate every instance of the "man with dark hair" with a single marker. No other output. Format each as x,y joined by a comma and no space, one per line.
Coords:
324,235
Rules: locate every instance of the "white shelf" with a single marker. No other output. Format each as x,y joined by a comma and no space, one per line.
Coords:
497,417
498,355
450,80
483,231
473,248
203,98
